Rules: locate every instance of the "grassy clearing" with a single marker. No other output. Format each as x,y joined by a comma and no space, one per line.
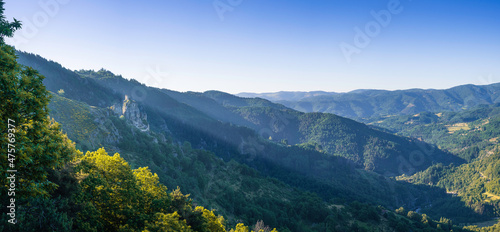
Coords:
491,197
457,127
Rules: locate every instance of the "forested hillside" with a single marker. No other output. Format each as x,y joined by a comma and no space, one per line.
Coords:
54,187
477,184
98,192
469,134
92,151
367,148
335,180
237,191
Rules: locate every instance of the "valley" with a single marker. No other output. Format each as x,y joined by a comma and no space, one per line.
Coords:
244,156
92,150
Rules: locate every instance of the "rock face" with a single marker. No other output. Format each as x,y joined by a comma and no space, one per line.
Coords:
117,109
105,128
133,113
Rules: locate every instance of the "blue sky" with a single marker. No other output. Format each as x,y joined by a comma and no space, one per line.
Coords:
264,46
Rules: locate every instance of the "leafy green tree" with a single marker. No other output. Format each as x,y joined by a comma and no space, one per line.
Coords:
183,205
414,216
168,223
240,227
401,211
37,147
110,187
154,195
215,223
37,143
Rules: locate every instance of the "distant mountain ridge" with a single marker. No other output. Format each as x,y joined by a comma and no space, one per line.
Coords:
373,103
286,95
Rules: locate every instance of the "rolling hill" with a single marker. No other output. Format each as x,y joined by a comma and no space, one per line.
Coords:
469,133
360,104
368,148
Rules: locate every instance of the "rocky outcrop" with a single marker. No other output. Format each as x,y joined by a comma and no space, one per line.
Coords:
133,112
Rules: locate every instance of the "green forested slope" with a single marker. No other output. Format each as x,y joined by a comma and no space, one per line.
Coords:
477,184
468,134
256,179
331,178
239,192
75,87
54,187
371,149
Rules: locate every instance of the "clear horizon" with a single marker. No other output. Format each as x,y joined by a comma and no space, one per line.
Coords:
260,47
